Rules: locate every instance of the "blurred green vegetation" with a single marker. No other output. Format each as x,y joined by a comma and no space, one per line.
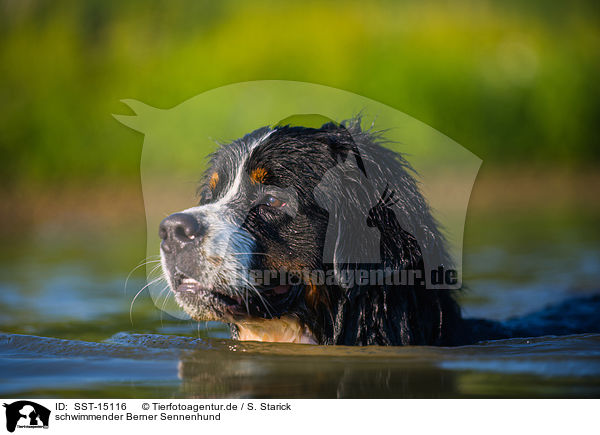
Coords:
514,82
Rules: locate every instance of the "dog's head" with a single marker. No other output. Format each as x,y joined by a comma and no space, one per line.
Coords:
280,204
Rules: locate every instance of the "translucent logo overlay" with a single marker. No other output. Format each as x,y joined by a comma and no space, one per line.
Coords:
178,140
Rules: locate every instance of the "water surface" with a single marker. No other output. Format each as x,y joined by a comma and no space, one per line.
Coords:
67,332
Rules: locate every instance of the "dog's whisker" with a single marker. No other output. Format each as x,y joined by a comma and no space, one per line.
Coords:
142,264
138,293
155,269
168,294
265,303
247,285
246,300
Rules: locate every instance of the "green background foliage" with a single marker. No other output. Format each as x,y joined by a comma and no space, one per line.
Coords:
514,82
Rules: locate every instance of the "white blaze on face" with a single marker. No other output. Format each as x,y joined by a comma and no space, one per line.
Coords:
226,246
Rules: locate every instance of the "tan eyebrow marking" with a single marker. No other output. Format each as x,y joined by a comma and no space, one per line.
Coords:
258,175
214,179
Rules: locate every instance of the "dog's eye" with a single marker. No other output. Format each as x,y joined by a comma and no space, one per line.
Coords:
271,201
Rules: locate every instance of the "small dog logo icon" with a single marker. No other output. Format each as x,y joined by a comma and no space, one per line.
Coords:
26,414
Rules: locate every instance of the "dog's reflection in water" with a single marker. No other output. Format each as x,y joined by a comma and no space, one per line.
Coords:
215,374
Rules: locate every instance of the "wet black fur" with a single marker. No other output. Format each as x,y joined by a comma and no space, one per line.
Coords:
297,158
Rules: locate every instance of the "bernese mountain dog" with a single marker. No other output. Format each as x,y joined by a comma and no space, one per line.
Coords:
284,218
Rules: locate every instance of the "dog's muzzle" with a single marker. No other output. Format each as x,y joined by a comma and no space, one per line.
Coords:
205,257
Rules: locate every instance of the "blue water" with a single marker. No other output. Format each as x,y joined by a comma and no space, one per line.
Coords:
66,328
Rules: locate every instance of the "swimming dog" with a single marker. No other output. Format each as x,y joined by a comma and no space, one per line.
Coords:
289,202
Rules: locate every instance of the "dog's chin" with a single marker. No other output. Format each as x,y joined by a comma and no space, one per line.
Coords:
208,303
205,303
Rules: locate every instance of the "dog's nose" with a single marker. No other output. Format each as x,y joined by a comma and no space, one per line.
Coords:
179,230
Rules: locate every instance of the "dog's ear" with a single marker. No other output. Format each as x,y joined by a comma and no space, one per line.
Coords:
377,215
341,142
